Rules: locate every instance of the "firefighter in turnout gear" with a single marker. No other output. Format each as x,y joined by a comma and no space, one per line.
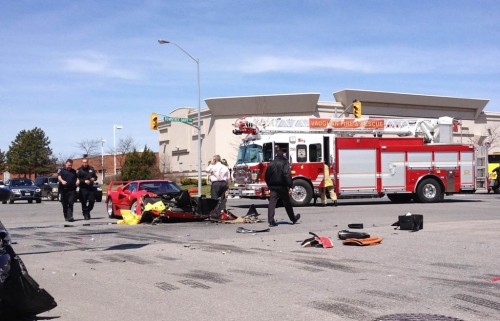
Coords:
328,187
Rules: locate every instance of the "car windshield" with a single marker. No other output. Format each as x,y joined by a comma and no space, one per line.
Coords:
53,180
20,182
160,187
251,153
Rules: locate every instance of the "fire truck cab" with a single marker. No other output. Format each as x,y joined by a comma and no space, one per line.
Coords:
423,169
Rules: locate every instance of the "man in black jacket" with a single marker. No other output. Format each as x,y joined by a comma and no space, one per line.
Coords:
68,181
87,177
279,181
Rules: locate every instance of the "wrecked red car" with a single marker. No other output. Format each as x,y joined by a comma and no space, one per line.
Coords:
134,195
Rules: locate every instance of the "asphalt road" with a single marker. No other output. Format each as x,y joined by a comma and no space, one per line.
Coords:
98,270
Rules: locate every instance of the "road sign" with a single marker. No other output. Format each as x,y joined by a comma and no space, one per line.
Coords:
178,119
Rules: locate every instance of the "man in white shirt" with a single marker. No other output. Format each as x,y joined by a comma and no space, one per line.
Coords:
219,177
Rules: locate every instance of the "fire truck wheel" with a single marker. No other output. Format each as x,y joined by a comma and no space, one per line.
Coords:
429,191
302,193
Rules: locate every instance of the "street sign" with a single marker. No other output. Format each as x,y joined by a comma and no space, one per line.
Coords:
178,119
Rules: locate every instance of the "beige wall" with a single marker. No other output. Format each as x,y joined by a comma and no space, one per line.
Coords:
178,148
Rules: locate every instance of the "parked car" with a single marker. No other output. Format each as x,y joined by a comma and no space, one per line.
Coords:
128,195
23,189
97,188
49,186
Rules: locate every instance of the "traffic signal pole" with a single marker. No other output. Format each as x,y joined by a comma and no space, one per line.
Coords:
153,125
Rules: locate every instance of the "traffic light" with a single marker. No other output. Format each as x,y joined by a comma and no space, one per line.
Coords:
153,121
356,109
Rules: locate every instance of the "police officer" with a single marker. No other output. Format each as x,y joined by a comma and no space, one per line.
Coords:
68,181
279,180
86,176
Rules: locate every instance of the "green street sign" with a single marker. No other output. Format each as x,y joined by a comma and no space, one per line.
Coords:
178,119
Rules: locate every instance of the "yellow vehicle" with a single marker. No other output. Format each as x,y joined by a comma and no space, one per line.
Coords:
493,162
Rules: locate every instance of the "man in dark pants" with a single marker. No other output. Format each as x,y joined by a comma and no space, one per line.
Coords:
87,177
279,181
68,181
219,178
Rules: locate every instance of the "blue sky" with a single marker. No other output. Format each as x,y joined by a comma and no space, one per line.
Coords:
76,68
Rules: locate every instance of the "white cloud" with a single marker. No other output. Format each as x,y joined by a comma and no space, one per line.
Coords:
99,65
291,64
376,60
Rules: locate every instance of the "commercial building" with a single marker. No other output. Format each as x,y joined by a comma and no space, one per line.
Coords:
178,141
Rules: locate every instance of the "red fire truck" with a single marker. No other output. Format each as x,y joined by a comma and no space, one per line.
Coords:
419,161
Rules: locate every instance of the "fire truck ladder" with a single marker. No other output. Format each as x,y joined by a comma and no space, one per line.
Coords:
433,130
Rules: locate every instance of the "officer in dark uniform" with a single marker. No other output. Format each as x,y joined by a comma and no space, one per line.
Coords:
87,177
68,181
279,180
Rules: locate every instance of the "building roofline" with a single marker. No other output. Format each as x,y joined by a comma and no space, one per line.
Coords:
263,104
346,96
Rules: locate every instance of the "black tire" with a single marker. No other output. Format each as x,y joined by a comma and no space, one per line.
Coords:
4,202
30,201
109,208
400,198
11,201
302,193
429,191
38,200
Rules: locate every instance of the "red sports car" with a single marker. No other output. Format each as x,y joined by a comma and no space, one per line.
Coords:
133,195
125,195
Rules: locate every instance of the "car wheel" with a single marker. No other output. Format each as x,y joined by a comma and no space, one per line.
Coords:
11,201
49,197
4,202
30,201
38,200
109,208
135,209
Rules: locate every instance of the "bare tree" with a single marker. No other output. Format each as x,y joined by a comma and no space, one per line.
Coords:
61,159
123,147
490,136
90,147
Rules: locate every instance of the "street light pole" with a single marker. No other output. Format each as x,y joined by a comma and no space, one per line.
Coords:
102,159
115,127
197,60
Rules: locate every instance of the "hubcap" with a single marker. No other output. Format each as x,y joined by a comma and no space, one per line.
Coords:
110,208
430,191
299,194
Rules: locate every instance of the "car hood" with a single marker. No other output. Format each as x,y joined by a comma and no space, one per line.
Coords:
25,187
